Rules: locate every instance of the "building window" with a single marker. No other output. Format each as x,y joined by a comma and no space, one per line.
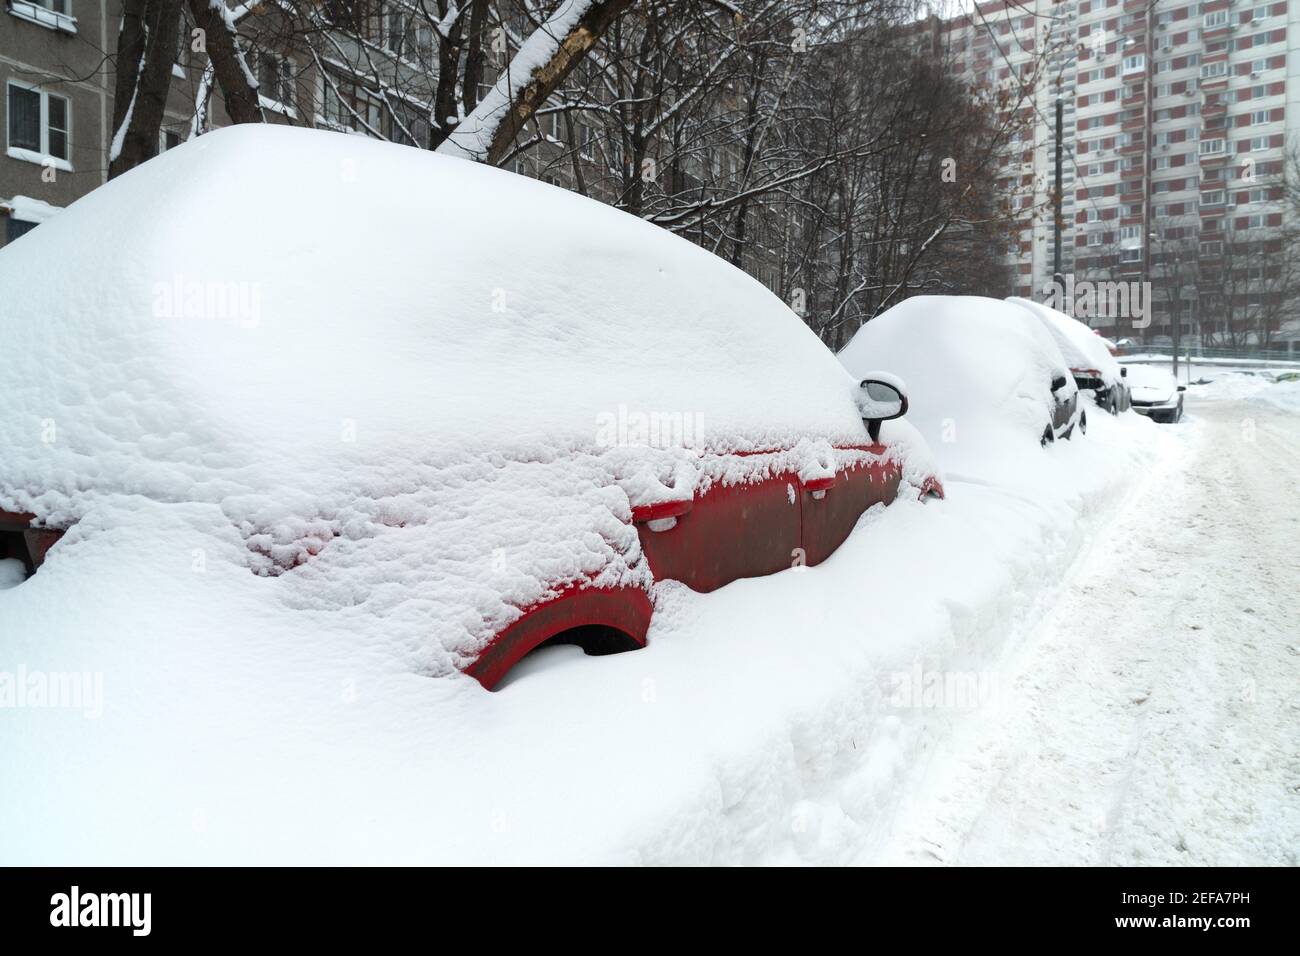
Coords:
38,122
1135,63
1214,69
349,106
1210,146
52,14
168,139
410,125
274,80
1216,19
1259,117
1214,198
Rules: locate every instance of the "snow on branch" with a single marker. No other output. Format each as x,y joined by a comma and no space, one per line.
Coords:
542,62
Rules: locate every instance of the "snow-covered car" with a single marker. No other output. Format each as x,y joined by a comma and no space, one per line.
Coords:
1156,394
1088,355
986,378
455,409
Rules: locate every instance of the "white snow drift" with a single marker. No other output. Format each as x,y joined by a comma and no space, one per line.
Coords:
401,374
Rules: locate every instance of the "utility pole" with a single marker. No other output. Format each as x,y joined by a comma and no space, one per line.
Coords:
1056,244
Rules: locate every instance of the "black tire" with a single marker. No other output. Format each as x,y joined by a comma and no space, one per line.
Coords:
1049,436
1083,423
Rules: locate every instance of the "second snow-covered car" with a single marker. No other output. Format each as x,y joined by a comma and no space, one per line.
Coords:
1092,365
453,409
986,379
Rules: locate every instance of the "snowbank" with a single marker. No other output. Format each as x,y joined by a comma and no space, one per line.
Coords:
1262,386
760,724
444,384
978,374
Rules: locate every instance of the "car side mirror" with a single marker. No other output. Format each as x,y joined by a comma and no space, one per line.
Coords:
1182,388
880,397
1058,383
1123,373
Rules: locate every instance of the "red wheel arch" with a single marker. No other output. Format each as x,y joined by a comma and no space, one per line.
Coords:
626,610
21,536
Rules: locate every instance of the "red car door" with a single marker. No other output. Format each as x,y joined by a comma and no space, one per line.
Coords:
729,532
831,506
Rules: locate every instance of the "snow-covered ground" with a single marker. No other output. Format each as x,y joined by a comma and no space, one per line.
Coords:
1153,716
162,703
771,721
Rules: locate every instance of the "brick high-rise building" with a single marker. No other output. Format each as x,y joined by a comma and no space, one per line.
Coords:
1178,121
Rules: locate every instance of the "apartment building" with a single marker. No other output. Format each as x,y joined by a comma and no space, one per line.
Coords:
1178,119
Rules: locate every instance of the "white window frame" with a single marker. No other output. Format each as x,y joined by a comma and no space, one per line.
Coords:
43,13
1135,63
1215,18
41,157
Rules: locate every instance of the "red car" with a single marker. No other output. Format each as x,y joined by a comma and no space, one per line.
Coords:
489,415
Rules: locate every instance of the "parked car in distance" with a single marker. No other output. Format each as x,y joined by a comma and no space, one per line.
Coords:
1155,393
548,415
1088,355
987,380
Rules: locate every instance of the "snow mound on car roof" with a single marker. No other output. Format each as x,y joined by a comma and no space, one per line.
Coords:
422,383
245,298
978,374
1080,346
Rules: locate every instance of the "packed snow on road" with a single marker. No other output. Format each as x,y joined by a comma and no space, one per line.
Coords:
288,527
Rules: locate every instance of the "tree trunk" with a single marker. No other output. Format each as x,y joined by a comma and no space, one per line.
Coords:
474,54
147,50
238,86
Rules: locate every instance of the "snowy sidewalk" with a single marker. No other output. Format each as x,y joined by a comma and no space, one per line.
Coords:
1152,717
